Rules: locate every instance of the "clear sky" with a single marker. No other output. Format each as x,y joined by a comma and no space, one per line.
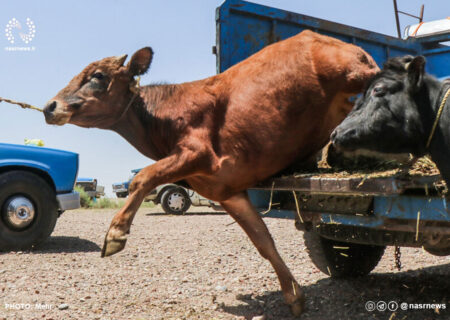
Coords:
70,34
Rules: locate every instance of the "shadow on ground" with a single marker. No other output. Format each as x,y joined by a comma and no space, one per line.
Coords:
189,213
346,299
60,244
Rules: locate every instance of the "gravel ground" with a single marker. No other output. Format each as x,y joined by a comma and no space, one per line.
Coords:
198,266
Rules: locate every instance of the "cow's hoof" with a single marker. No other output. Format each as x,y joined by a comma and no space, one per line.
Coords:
113,246
296,300
298,307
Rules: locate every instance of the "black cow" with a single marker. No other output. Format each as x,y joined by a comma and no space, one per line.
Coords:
396,114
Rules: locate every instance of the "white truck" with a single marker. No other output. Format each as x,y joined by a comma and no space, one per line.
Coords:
174,199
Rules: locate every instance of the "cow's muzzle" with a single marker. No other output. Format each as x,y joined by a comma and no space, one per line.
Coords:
54,115
343,138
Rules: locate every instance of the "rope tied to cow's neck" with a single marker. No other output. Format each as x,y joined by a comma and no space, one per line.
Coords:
135,88
438,116
21,104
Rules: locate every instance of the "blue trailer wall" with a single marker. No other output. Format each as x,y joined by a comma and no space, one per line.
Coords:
243,28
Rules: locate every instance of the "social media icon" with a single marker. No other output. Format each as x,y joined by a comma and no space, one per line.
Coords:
404,306
370,306
381,306
392,305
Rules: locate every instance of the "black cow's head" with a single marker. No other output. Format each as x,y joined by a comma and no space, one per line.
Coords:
387,117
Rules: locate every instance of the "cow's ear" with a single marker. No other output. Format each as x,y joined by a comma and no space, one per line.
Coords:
140,61
416,70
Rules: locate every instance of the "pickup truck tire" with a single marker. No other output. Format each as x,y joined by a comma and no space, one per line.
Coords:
16,189
356,259
175,201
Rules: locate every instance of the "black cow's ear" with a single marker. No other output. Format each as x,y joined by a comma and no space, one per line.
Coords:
416,69
140,61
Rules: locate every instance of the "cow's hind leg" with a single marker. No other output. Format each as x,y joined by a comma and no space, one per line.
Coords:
240,208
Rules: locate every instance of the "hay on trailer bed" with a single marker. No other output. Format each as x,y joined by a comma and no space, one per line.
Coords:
360,175
335,165
422,167
365,177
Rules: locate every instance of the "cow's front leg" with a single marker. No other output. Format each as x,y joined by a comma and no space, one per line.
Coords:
190,160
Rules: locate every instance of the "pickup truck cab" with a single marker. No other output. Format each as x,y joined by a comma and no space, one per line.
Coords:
36,186
121,188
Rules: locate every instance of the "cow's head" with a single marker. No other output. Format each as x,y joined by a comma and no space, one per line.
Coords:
98,96
387,117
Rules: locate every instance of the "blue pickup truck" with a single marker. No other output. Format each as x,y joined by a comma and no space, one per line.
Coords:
121,188
347,222
91,187
36,186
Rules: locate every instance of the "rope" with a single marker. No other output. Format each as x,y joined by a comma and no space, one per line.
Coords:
135,88
22,104
270,201
417,29
297,207
438,116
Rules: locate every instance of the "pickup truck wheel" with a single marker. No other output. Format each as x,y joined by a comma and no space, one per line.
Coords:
28,210
341,259
175,201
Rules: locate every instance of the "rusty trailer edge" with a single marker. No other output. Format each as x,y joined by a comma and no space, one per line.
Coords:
352,185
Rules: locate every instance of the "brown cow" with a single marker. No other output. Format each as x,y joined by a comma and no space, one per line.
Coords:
223,134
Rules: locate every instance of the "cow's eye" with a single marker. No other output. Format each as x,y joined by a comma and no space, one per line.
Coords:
379,91
98,75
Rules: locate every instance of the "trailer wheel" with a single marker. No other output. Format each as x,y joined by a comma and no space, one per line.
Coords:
175,201
341,259
28,210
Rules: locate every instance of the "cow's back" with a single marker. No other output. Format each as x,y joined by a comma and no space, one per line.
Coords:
288,98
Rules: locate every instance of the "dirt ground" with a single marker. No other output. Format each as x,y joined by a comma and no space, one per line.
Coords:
198,266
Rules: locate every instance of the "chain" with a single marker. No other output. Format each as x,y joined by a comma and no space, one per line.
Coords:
397,254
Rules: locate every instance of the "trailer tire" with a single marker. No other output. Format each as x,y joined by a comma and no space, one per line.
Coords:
28,210
175,201
358,260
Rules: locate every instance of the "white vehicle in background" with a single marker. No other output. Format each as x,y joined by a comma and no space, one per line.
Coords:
174,199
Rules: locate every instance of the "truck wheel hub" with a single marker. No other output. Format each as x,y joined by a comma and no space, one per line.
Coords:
19,212
176,201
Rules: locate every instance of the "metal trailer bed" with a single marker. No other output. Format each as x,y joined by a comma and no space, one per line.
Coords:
364,214
381,211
